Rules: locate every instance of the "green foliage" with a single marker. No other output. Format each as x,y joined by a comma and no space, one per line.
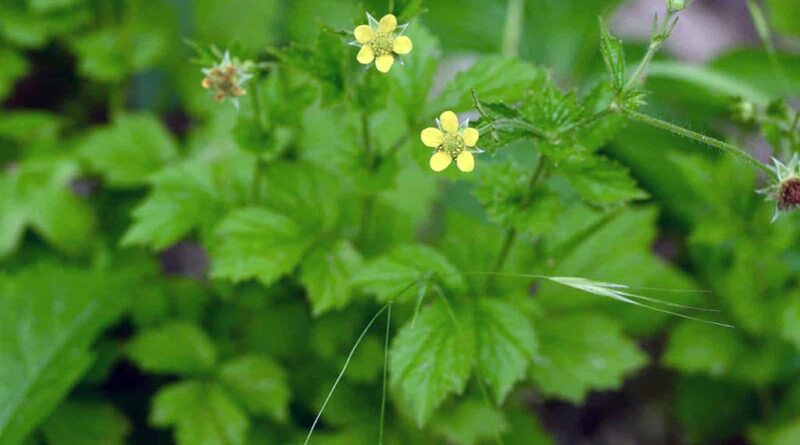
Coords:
233,252
580,353
49,319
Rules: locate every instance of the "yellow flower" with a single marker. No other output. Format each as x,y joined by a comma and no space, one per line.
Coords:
381,42
452,141
226,78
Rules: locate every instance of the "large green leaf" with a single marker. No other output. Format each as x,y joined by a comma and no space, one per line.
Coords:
256,242
506,344
431,360
326,275
86,422
580,353
49,317
259,383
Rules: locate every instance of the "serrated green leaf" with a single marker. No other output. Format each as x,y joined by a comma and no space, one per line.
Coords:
191,195
496,79
49,317
470,422
600,181
174,348
307,194
85,422
504,191
431,360
388,275
506,342
256,242
130,151
581,353
200,413
613,56
258,383
326,275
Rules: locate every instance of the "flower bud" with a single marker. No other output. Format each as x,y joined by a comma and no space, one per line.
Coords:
678,5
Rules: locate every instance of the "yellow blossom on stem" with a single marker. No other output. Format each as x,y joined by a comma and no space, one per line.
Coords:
381,42
225,80
452,141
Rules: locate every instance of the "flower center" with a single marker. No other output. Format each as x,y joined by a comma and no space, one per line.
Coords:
789,194
381,43
453,143
224,80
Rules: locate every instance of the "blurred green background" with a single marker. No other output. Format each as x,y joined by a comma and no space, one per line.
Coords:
69,67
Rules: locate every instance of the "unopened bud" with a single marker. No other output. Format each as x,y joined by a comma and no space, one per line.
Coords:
678,5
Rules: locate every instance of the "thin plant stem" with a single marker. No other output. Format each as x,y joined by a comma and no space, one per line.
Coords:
515,17
344,368
656,42
698,137
385,373
385,307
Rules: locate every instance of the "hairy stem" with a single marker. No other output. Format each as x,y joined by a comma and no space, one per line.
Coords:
698,137
656,42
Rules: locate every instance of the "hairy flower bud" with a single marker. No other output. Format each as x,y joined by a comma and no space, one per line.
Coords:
786,191
678,5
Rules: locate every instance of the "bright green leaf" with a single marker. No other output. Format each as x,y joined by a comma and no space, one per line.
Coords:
130,150
431,360
175,348
326,275
470,422
201,413
506,343
259,384
580,353
257,243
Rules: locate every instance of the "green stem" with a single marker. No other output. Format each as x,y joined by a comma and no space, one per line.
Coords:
515,17
385,373
656,42
698,137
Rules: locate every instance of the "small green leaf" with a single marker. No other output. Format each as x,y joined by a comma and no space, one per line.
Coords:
613,56
470,422
388,275
86,423
600,180
495,78
194,194
431,360
506,343
326,275
256,242
201,413
259,384
129,151
580,353
175,348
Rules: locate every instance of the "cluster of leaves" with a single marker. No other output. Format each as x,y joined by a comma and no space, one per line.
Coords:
314,207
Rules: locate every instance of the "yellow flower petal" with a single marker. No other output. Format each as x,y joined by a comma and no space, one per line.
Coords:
402,45
365,55
432,137
440,160
470,136
465,161
363,33
384,63
388,23
449,121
